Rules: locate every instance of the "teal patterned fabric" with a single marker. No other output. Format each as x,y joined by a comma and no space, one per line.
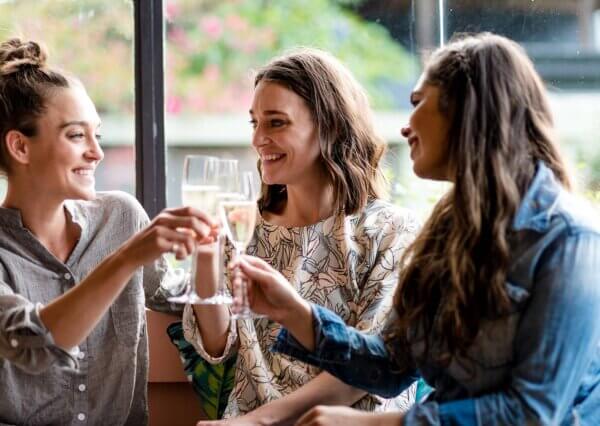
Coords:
212,383
423,390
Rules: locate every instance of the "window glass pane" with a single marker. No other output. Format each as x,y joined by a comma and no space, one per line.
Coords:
212,48
92,39
563,39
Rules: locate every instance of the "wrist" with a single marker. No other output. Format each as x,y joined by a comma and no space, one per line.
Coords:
120,261
300,314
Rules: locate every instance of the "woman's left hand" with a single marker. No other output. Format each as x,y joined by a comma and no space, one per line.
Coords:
335,416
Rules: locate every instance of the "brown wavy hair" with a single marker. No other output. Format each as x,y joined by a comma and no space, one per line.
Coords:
500,127
25,82
350,147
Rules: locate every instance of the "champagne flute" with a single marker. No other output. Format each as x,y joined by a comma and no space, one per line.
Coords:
229,185
239,219
199,189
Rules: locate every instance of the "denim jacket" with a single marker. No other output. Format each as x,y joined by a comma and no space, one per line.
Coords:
538,364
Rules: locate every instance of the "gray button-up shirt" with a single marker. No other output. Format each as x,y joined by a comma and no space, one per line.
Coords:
103,381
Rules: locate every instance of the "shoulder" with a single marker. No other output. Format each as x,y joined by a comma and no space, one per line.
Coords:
382,226
115,205
389,217
576,214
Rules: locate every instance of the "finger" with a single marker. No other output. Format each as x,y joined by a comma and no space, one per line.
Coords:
250,292
236,287
194,212
307,418
257,262
189,244
206,240
190,223
260,276
181,244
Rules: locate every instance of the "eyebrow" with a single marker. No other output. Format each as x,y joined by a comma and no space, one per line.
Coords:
76,123
270,112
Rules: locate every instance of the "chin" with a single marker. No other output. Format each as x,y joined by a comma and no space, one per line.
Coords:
269,180
85,195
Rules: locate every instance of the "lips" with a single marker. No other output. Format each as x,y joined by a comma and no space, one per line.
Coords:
412,141
84,172
271,157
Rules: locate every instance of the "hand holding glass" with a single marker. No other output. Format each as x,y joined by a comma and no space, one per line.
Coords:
199,189
239,220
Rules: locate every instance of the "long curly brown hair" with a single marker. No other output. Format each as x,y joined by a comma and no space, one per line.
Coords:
500,127
351,148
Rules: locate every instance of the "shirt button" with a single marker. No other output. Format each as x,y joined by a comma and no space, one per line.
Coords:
81,355
67,276
81,387
14,343
81,416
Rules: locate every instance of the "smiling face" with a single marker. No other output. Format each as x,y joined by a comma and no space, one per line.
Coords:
285,136
64,153
427,133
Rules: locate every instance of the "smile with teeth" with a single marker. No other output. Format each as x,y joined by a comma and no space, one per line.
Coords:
84,172
272,157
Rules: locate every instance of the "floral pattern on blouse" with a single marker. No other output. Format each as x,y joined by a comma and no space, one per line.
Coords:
349,264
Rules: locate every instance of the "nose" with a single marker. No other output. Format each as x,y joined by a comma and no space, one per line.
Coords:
95,152
259,138
406,131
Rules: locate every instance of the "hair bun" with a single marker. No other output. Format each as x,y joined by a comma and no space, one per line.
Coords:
16,55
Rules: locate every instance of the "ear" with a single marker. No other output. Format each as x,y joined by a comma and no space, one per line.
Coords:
17,146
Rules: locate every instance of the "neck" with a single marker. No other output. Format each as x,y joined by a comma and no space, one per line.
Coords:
307,203
45,218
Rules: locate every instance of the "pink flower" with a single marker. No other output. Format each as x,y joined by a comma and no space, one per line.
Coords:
179,38
172,10
236,23
212,26
212,72
174,105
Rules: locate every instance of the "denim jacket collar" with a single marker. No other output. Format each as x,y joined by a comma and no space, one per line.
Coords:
539,201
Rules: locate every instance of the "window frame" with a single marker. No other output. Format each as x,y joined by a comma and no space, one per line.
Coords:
150,165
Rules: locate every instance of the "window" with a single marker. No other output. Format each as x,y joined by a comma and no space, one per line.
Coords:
561,37
212,47
93,40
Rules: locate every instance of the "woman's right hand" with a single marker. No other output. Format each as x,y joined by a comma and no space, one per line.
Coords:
269,293
175,229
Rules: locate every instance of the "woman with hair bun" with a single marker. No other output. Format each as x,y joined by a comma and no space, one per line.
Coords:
498,303
74,264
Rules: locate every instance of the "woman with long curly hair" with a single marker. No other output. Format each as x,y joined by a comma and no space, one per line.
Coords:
498,301
323,222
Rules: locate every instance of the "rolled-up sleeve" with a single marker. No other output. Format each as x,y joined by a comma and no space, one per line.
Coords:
192,334
358,359
24,339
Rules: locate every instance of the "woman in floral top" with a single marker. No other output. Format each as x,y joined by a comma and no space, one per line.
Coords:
323,225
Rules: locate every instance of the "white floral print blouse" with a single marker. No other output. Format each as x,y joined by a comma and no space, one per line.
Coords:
348,264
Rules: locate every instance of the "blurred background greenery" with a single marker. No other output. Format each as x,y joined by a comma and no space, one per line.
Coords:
213,46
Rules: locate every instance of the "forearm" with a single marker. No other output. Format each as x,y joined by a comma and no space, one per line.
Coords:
213,325
72,316
322,390
356,358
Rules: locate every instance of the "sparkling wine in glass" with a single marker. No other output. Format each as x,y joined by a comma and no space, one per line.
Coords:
199,189
239,220
228,179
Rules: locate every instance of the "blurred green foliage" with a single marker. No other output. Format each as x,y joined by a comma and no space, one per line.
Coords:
92,39
212,46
